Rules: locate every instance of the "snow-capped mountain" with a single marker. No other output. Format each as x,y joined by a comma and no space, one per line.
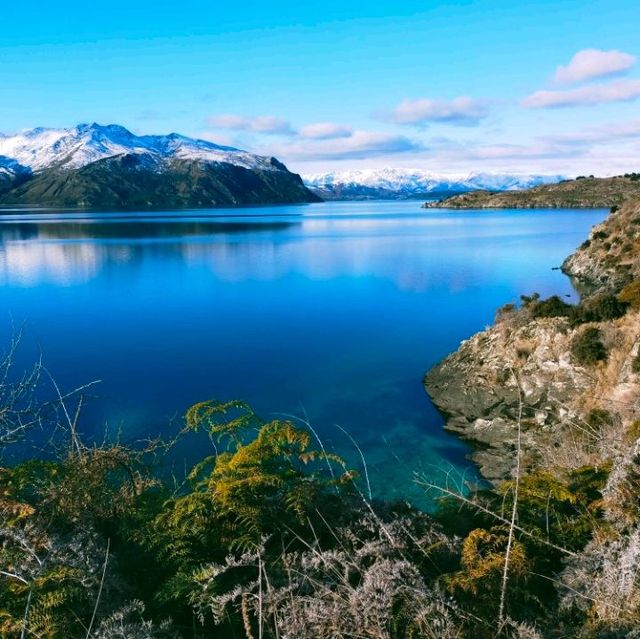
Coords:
407,183
80,145
110,168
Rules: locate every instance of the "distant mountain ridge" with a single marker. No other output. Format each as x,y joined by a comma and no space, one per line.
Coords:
583,192
96,166
396,183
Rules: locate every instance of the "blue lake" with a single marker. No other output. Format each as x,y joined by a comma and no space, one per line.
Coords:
333,311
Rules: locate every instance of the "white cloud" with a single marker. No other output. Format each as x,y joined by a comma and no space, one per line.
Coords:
536,155
359,145
267,124
589,64
270,124
325,131
608,133
230,121
519,151
608,149
461,110
616,91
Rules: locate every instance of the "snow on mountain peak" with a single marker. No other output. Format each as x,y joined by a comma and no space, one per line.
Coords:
72,148
410,182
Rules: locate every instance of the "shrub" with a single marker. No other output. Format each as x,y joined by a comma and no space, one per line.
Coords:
597,418
600,235
605,307
597,309
633,432
635,364
505,311
630,294
587,347
529,300
602,308
551,307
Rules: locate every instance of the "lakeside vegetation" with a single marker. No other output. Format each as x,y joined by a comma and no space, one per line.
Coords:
268,535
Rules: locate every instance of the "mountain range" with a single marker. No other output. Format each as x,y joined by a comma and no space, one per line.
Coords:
391,183
95,166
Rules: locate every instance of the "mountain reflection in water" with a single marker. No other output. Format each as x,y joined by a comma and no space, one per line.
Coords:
333,310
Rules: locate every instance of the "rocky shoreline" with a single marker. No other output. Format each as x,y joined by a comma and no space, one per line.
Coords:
522,370
550,393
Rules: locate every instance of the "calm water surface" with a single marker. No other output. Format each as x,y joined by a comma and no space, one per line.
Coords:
333,311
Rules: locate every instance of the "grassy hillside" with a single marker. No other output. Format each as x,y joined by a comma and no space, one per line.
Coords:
586,192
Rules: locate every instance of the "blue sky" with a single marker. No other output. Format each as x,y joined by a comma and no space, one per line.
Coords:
526,85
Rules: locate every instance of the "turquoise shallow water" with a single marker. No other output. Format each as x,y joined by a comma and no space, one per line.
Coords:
333,311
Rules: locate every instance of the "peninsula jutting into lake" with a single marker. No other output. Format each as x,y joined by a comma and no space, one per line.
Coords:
321,321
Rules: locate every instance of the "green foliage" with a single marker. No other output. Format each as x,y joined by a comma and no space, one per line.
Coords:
265,482
556,513
274,478
561,511
266,499
587,347
599,308
551,307
479,580
50,571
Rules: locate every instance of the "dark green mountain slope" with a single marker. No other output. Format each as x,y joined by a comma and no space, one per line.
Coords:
142,181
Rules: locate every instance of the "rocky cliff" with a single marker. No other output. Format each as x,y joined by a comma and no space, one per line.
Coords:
526,364
525,367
